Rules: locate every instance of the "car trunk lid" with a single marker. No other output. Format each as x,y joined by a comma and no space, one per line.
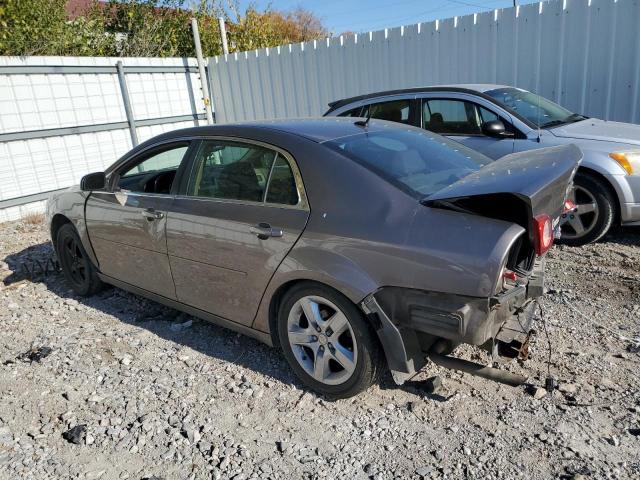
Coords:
540,179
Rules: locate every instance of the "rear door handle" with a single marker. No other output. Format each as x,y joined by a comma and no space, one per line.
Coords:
264,231
152,214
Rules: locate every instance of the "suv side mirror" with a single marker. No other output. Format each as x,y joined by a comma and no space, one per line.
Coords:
93,181
494,128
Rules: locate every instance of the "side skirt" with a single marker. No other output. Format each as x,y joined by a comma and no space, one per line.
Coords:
196,312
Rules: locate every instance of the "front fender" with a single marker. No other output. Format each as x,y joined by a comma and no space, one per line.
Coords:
70,205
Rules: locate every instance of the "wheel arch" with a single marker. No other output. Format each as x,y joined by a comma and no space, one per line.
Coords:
281,291
57,222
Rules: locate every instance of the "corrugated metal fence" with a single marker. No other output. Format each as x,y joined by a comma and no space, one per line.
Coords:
63,117
584,54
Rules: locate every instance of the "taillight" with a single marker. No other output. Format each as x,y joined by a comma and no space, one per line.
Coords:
543,234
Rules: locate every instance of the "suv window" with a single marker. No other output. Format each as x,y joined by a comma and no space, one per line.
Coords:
394,111
155,173
451,117
354,112
457,117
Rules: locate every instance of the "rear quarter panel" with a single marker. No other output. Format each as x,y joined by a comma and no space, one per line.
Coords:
363,234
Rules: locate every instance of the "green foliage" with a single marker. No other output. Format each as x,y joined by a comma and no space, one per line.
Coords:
144,28
40,27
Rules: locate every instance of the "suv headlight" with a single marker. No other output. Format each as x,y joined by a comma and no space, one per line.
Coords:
630,161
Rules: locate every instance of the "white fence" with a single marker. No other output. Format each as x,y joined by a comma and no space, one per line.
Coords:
584,54
63,117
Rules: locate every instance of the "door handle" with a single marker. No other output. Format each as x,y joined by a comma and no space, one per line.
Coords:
264,231
152,214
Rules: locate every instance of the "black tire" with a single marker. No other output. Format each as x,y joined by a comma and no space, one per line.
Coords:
368,357
75,263
589,189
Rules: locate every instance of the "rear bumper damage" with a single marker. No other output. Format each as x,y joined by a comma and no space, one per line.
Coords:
412,324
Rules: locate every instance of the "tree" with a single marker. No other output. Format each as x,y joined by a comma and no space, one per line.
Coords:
40,27
145,28
270,28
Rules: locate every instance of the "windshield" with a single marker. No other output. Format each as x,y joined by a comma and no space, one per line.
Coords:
417,161
538,110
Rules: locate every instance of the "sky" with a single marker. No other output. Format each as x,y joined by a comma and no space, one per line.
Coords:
365,15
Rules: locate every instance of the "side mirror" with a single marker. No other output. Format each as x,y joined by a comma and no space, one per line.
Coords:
494,128
93,181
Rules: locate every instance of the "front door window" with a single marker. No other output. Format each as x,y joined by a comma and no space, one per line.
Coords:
154,173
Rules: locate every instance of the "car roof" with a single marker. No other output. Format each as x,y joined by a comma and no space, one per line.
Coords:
463,87
322,129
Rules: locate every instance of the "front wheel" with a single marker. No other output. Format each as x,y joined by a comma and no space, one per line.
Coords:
593,215
75,263
327,341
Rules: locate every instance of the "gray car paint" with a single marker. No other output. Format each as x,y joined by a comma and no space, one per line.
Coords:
129,246
362,233
596,138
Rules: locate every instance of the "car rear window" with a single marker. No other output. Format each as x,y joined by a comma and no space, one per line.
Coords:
419,162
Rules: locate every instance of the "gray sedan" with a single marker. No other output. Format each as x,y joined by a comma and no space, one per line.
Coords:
497,120
349,244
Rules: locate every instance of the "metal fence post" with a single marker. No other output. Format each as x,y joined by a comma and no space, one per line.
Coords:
127,104
203,74
223,35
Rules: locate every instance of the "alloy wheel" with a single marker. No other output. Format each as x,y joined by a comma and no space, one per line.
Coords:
582,219
322,340
74,261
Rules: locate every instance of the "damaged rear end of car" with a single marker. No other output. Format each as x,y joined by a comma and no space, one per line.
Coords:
492,229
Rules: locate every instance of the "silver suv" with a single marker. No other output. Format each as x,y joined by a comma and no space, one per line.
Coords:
497,120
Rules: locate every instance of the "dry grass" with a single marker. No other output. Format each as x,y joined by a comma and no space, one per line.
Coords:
33,218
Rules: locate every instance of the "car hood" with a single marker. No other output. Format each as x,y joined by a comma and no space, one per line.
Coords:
540,178
595,129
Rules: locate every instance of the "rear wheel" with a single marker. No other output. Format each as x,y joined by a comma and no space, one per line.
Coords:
75,263
327,341
593,215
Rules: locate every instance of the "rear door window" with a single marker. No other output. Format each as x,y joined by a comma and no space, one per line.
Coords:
354,112
242,171
394,111
282,184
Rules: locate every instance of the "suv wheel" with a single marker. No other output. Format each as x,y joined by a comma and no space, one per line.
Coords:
75,263
327,341
593,215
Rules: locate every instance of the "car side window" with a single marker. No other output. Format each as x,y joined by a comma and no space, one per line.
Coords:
154,173
394,111
486,115
354,112
231,170
282,184
451,117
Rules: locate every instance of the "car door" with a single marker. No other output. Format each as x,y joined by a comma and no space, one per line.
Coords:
461,120
235,219
126,222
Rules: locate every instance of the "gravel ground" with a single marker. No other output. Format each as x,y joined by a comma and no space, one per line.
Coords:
157,394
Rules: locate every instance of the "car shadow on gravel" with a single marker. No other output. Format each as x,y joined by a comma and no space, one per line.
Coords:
629,236
36,264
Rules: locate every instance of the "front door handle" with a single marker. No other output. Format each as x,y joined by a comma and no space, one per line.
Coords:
265,231
152,214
